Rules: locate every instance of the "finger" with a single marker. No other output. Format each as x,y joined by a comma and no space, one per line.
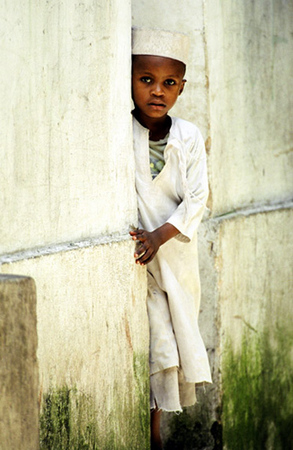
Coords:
137,231
140,254
139,250
137,235
133,234
141,236
149,257
145,257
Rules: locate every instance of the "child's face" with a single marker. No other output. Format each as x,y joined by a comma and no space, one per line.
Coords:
156,84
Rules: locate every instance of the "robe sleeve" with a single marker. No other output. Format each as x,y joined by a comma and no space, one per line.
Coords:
187,217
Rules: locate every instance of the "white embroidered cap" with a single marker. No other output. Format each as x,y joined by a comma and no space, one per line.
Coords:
149,41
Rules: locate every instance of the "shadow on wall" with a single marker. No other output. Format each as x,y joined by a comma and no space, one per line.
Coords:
193,429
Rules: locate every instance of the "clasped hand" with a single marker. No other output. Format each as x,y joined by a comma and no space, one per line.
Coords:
148,246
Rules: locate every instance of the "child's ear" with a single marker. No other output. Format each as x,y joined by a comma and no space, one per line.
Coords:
182,86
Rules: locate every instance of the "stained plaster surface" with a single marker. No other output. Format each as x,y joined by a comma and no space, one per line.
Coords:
19,409
65,122
249,53
255,272
255,329
93,330
245,261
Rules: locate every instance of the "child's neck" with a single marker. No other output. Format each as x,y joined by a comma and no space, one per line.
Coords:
158,128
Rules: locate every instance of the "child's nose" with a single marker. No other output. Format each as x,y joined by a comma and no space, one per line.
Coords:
157,89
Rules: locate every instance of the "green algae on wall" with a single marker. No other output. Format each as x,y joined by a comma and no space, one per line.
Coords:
70,421
67,421
258,391
142,388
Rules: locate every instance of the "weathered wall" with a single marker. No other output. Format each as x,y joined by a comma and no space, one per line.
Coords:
239,92
19,381
250,71
256,342
67,185
65,122
92,345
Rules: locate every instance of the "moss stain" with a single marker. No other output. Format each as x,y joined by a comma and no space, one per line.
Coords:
69,419
258,391
66,421
141,375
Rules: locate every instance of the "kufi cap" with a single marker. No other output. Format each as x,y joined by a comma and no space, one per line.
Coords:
169,44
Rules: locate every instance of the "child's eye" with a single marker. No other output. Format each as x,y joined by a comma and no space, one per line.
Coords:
170,82
146,79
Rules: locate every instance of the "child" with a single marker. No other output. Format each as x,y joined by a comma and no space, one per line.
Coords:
172,190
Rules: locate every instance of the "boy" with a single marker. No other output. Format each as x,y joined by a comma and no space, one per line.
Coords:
172,190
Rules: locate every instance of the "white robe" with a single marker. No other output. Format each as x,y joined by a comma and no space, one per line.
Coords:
178,196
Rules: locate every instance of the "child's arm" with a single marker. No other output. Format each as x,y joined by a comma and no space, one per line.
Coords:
151,241
187,216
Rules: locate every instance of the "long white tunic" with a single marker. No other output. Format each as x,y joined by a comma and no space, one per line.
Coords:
178,196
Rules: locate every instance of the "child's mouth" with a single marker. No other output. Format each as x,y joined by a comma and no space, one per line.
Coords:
157,106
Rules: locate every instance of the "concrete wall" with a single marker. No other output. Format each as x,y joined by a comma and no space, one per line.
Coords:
239,92
93,342
68,194
250,72
255,275
19,380
65,121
